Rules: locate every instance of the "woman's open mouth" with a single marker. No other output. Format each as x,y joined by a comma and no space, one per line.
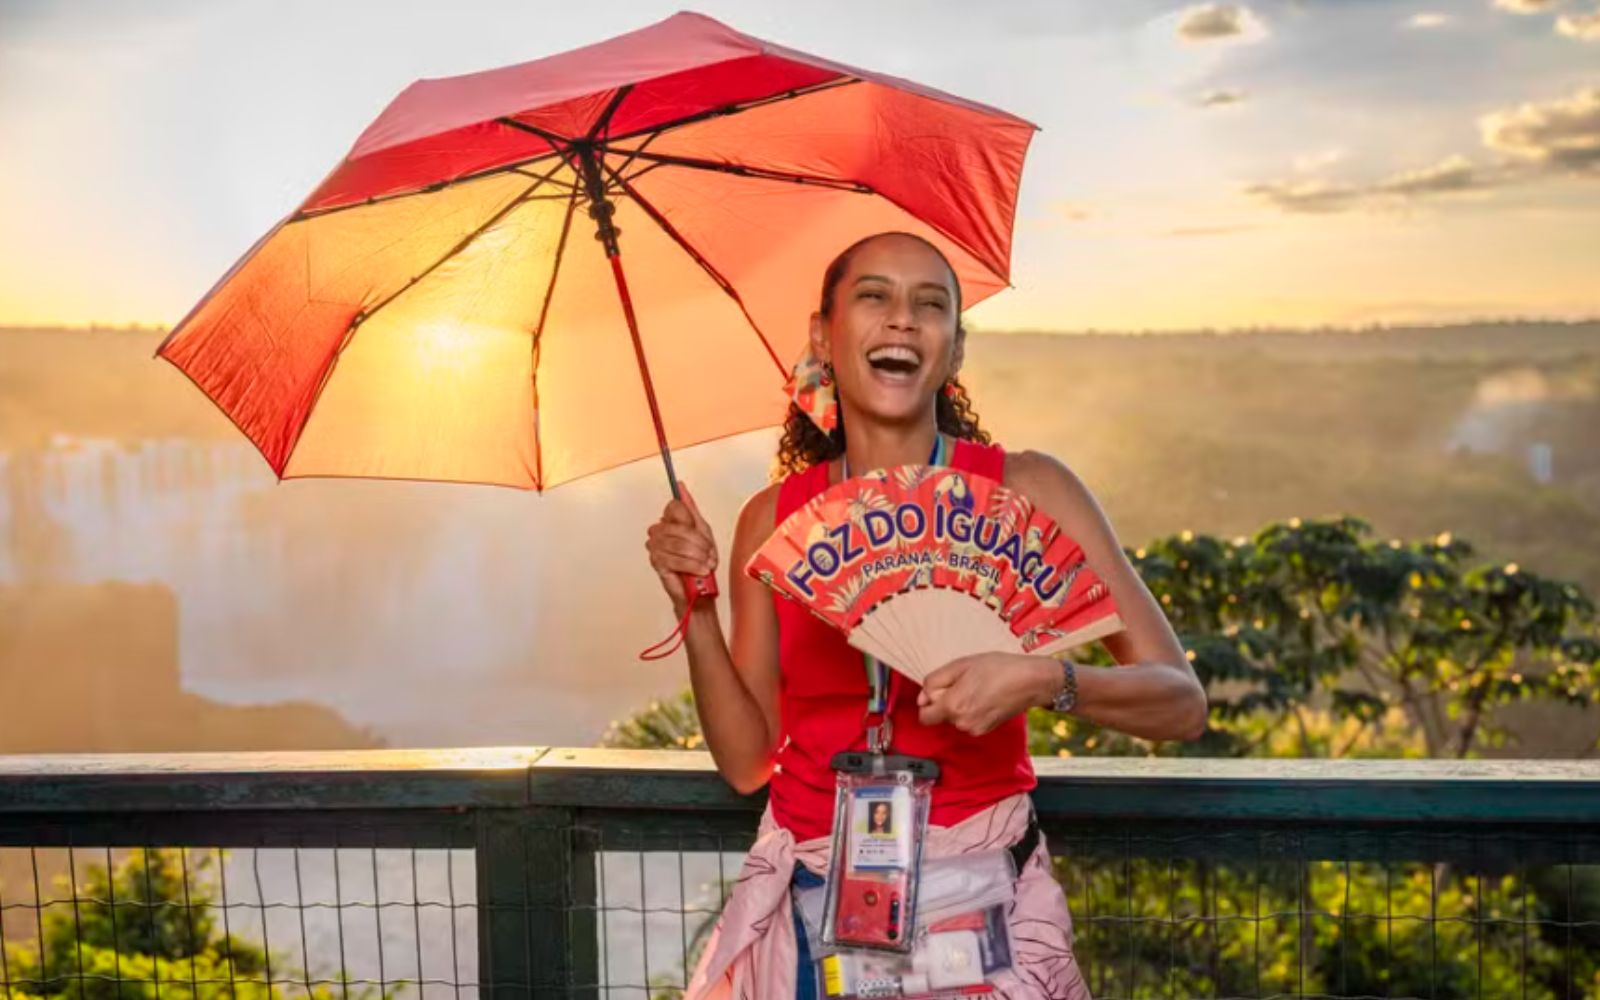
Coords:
895,363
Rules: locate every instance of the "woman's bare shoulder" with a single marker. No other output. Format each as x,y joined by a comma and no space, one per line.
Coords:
758,517
1049,482
1034,468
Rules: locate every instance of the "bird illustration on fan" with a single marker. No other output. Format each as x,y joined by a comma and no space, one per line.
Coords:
921,565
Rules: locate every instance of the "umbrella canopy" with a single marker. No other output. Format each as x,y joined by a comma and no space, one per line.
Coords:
439,307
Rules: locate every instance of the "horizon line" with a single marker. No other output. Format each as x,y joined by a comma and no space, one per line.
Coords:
1378,326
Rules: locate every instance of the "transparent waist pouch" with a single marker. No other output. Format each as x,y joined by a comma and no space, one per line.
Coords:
959,942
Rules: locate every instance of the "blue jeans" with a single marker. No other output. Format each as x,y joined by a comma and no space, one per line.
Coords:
805,975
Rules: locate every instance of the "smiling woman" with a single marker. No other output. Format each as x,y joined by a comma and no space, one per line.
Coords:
785,692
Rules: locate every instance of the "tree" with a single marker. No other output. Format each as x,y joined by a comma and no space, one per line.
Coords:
1315,617
145,930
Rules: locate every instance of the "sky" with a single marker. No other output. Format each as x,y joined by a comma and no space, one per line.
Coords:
1226,165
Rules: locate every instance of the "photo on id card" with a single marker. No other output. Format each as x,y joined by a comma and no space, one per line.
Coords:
882,830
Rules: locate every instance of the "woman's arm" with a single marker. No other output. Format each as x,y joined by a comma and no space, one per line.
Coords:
735,690
1154,694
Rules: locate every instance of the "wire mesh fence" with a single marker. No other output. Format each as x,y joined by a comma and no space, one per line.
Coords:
252,922
614,897
1230,912
1257,913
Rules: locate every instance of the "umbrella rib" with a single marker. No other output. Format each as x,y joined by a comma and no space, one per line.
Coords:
644,170
603,122
759,173
634,154
513,168
737,108
557,139
364,315
465,242
705,265
546,179
560,142
538,339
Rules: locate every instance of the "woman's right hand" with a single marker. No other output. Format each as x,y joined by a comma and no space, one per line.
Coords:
681,542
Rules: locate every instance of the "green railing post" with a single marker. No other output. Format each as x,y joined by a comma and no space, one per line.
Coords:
505,906
583,915
536,905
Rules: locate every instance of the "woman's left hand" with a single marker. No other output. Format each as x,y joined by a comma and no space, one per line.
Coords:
977,693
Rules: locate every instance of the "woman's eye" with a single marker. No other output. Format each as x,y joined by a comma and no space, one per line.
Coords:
871,293
934,303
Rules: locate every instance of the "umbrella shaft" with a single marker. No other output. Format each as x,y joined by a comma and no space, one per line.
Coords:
644,371
601,210
600,207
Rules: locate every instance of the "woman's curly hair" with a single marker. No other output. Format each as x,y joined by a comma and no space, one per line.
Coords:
804,444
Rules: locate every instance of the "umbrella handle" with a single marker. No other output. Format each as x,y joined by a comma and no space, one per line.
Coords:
698,586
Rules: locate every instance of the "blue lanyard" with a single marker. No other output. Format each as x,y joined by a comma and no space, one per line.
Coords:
877,673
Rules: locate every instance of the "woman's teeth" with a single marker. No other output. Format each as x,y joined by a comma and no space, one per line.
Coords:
895,360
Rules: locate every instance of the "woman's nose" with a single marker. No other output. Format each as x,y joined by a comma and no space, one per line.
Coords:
900,313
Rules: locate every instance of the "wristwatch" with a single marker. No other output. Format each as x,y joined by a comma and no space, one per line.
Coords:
1067,697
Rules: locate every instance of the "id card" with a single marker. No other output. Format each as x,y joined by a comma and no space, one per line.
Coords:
881,828
880,818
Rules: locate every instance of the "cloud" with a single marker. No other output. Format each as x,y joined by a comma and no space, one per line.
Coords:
1562,135
1428,19
1307,197
1584,27
1221,98
1454,175
1527,6
1212,21
1537,139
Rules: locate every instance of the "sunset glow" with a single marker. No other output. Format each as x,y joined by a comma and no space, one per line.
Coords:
1225,165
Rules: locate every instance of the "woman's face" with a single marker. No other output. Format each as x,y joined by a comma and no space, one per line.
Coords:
892,334
880,814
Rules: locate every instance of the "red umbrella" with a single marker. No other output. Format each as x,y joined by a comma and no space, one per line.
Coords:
436,310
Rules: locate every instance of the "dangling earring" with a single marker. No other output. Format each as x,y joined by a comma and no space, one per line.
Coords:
811,388
950,388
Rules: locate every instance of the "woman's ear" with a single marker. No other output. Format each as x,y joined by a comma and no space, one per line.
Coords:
960,353
820,348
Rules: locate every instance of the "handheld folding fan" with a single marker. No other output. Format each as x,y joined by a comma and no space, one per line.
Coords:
918,565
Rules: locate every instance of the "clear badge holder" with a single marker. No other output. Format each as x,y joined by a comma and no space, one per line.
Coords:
880,821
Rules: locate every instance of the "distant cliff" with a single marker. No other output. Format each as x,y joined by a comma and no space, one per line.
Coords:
94,668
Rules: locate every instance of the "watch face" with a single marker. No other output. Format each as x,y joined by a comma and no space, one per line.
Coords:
1068,695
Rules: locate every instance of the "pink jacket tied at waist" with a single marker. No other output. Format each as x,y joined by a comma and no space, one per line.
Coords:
752,954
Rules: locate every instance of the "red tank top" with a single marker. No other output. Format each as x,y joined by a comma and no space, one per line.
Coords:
822,698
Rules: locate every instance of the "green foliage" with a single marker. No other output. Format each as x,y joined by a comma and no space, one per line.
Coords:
1202,928
1356,646
145,930
661,725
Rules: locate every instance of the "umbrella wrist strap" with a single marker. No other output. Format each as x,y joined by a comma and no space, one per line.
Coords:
666,647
